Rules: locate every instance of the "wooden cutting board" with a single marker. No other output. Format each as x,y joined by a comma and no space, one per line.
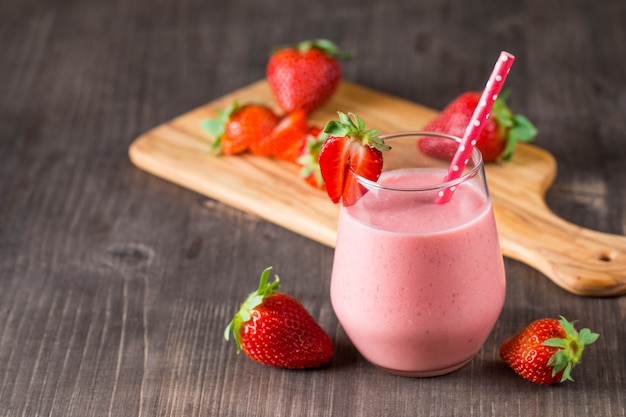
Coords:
582,261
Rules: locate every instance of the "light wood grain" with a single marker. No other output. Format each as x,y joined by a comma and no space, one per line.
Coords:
579,260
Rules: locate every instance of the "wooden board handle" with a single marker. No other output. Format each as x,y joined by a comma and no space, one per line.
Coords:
579,260
582,261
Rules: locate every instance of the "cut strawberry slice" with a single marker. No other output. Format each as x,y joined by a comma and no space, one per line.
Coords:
286,139
290,136
350,148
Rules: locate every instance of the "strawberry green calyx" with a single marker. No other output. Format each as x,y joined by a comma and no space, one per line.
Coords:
254,300
310,160
514,127
216,127
570,348
326,46
356,132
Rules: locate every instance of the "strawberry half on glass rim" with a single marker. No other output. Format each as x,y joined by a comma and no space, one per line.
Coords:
350,149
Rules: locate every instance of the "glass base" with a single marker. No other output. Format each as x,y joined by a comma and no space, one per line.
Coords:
424,374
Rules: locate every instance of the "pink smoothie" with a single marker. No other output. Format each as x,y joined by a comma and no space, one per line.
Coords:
418,286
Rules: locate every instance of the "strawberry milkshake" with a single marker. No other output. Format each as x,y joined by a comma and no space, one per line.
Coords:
418,286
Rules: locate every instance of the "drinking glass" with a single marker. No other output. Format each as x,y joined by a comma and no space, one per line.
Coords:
418,286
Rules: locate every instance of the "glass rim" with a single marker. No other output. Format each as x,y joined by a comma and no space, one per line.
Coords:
477,159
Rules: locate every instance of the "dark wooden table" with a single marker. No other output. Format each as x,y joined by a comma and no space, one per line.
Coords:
116,286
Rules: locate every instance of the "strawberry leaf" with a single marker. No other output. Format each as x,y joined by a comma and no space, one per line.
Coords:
525,131
359,122
254,300
502,114
555,342
347,121
558,361
567,373
216,127
521,130
586,337
356,132
327,46
337,129
514,127
567,325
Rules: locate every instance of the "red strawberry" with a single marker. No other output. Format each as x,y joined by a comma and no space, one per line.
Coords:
275,329
546,350
239,126
499,135
309,158
349,148
287,139
304,76
436,148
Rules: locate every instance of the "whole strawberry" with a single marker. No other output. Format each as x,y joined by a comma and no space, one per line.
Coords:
304,76
546,350
238,127
499,136
349,148
275,329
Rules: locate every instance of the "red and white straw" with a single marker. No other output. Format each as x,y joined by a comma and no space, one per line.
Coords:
481,113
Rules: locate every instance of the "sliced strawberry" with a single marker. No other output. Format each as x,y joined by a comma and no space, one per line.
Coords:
289,133
290,136
349,149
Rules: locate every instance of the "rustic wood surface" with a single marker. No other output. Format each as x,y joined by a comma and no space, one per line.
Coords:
115,285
